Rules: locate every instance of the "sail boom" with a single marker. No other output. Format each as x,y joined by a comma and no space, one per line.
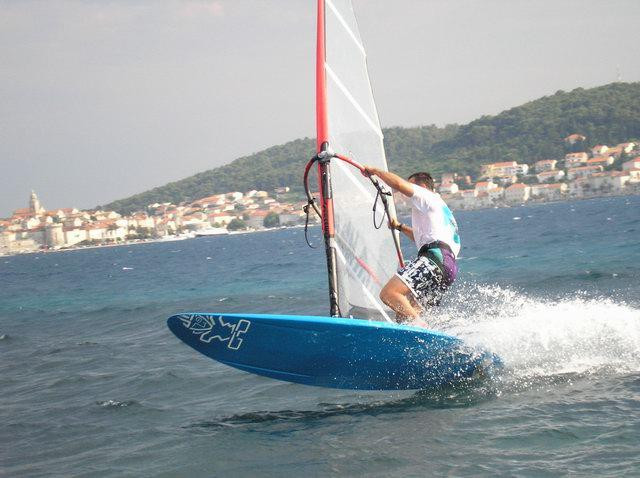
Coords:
356,183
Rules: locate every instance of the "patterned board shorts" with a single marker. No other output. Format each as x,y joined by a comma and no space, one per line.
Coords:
426,280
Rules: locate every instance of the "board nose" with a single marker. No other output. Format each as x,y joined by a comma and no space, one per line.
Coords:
175,325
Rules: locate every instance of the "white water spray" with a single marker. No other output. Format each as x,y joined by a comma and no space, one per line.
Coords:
538,338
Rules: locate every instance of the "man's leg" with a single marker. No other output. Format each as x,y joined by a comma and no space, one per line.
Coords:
395,294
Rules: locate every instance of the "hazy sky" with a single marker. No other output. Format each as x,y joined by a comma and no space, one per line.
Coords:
102,99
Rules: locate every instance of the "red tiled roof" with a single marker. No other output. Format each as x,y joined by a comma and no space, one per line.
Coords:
258,213
25,211
502,165
548,186
585,168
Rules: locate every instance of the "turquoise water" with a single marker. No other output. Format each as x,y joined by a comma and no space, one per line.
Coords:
92,383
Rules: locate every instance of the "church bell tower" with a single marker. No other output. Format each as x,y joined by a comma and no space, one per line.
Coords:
34,204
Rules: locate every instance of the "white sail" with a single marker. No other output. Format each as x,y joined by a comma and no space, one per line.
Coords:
366,256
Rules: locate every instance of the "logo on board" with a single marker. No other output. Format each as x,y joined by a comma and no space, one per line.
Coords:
208,328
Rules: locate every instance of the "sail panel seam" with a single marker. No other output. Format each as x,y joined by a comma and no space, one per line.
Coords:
341,19
352,100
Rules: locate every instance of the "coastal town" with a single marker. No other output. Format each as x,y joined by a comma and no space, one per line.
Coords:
587,172
34,228
591,172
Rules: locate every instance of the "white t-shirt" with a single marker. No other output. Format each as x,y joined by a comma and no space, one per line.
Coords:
432,220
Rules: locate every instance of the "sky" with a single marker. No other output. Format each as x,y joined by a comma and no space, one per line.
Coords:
101,99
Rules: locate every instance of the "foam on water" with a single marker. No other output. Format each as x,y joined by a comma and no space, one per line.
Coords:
543,337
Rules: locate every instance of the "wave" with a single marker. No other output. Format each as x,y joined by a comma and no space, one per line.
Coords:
115,404
535,337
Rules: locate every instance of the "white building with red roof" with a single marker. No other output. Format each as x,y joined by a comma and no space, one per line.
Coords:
505,168
496,193
610,180
547,176
634,175
582,172
221,218
576,188
599,149
549,191
626,147
22,213
483,200
631,164
485,186
215,200
545,165
74,235
234,196
600,161
448,188
517,192
256,218
142,220
575,159
95,231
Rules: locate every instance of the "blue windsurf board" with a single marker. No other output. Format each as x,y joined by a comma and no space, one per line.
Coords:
332,352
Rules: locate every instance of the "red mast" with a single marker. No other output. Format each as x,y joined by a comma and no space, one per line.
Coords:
324,158
322,124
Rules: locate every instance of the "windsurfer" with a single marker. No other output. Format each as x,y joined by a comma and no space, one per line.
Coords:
421,282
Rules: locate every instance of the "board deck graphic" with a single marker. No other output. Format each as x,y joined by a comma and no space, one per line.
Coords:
332,352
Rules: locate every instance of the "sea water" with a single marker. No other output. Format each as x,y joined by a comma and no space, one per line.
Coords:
92,383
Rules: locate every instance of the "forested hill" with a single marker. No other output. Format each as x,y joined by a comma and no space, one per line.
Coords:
608,114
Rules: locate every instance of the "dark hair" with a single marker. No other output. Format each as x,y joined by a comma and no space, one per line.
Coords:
423,178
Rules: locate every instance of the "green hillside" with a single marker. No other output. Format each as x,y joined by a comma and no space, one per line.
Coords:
608,114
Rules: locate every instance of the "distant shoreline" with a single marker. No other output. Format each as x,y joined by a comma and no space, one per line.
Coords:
149,241
401,211
553,201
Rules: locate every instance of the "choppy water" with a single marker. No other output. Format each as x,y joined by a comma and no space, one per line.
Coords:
93,384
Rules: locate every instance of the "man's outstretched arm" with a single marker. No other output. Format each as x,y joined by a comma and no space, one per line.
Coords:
392,180
403,228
